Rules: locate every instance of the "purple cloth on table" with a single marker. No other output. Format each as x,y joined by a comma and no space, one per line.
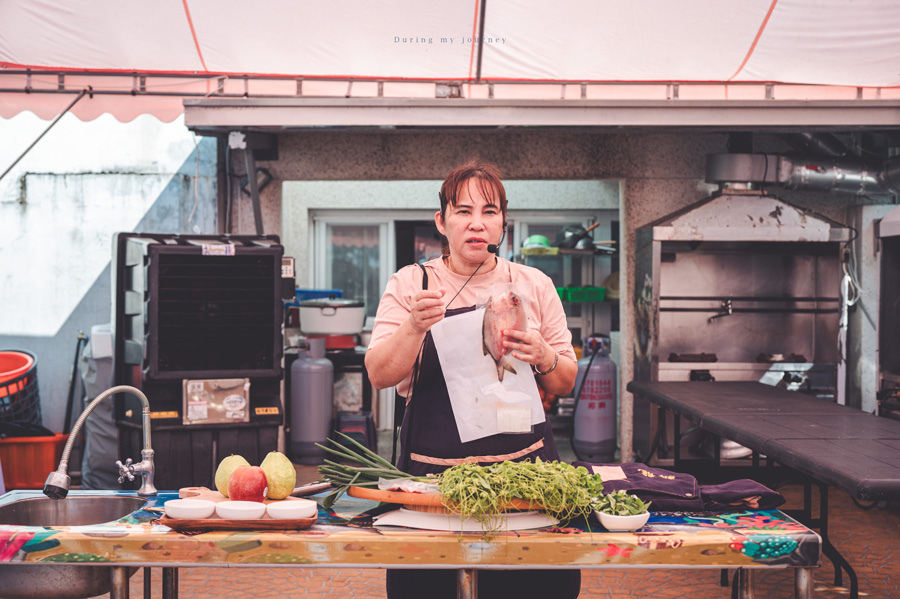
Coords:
680,492
741,494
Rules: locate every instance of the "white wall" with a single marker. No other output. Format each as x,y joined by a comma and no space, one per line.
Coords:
59,208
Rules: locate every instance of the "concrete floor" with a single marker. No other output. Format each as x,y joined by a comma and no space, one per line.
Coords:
868,538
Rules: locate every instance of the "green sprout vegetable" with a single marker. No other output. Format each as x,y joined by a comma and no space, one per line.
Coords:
483,492
621,503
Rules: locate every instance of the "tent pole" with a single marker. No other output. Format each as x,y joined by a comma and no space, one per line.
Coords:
480,40
56,120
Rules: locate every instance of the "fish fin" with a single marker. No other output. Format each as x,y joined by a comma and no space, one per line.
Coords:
500,371
484,348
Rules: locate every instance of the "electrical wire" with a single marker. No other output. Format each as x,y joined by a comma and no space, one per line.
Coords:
196,183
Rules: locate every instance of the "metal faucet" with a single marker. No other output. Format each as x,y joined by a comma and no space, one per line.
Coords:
57,485
728,310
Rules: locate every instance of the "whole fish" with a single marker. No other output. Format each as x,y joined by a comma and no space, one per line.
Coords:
502,312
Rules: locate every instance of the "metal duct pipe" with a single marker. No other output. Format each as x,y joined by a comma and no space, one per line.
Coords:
845,175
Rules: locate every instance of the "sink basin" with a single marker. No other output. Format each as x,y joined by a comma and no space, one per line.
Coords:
63,581
75,510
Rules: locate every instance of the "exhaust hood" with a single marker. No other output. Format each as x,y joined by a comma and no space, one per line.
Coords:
747,215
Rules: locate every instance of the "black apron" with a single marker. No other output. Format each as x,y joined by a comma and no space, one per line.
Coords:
429,429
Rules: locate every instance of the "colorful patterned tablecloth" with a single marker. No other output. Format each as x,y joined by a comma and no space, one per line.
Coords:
346,536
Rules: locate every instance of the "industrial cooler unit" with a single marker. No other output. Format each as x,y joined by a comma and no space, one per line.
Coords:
197,326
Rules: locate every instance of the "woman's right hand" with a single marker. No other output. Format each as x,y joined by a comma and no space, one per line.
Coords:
426,309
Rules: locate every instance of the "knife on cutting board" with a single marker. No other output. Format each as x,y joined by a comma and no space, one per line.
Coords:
311,488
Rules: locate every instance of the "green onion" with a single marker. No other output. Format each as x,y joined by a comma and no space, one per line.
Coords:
368,468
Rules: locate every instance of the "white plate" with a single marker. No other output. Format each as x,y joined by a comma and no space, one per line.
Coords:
190,509
292,509
240,510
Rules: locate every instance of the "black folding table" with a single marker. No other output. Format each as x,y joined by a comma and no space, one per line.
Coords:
833,445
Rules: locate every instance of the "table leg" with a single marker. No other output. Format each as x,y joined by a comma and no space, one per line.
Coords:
147,593
119,581
803,583
467,583
839,561
170,583
745,584
676,423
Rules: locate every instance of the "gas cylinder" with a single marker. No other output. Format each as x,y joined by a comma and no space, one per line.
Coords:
594,438
312,403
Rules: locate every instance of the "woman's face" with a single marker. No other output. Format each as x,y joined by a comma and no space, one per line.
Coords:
469,226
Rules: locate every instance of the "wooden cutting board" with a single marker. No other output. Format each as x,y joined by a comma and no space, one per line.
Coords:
216,523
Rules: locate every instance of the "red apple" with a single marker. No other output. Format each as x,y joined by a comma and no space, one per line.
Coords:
247,483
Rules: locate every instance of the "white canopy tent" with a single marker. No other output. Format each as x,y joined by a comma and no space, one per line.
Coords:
136,58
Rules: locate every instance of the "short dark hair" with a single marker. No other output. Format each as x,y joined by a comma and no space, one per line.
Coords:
489,181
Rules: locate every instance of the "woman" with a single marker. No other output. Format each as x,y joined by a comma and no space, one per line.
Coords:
472,217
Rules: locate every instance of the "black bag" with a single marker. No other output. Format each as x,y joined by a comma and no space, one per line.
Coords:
669,491
679,492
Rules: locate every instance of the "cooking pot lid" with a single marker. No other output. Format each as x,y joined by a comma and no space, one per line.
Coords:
332,302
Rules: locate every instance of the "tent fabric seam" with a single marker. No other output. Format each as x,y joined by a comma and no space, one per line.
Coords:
187,14
759,33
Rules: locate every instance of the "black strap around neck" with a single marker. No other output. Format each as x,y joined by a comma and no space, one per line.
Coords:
400,402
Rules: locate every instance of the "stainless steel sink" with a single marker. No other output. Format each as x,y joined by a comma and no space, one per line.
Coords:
75,510
63,581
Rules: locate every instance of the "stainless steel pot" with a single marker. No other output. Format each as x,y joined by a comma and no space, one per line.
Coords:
332,316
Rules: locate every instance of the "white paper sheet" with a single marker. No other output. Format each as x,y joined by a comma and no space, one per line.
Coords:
477,396
452,522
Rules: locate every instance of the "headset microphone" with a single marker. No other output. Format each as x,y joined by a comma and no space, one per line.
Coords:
494,248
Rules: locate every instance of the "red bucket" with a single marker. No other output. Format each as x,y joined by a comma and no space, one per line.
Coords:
19,399
14,364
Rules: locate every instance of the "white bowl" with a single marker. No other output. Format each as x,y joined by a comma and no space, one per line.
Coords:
292,509
240,510
619,523
193,509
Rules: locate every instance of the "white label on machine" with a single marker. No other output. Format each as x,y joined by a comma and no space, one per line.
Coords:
234,406
217,249
198,410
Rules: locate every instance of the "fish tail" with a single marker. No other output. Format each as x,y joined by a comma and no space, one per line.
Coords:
504,365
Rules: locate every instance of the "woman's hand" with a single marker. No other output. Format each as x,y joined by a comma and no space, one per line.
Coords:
530,347
426,309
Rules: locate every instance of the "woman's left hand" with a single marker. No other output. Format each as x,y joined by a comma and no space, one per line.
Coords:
529,347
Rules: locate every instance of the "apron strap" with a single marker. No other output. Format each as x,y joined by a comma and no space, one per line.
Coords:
480,459
400,401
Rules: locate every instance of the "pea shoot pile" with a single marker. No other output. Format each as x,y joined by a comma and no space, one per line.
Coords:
483,492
